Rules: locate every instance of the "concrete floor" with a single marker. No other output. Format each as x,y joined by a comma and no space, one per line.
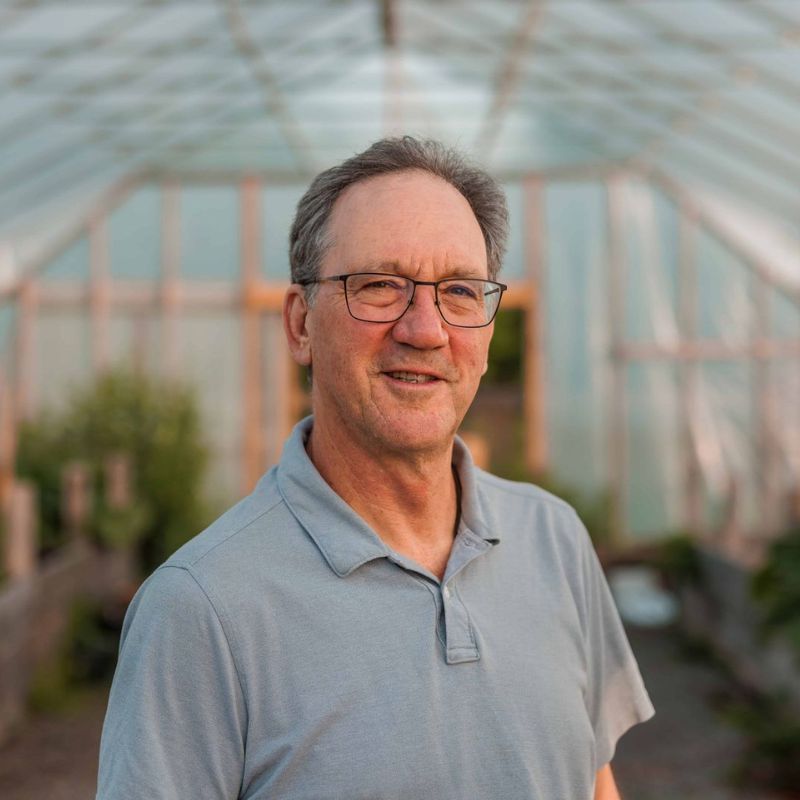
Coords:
686,751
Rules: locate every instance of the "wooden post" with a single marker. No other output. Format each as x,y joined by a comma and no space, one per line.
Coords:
8,442
170,276
99,291
20,540
618,421
479,448
250,243
25,351
534,404
118,481
763,411
689,370
75,498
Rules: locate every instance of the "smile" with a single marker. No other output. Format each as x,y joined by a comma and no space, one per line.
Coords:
412,377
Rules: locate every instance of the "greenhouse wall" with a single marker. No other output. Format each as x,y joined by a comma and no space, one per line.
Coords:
626,408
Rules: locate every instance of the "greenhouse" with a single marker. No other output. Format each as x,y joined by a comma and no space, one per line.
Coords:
644,366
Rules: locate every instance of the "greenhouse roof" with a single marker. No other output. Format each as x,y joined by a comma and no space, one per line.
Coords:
704,92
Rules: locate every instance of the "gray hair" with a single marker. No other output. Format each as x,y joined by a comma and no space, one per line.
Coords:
309,236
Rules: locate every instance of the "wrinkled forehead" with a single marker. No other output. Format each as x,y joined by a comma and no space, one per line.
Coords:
409,217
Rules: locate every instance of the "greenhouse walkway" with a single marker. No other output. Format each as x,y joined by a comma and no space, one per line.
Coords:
683,753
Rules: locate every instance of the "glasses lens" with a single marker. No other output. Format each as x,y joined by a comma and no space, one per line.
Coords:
375,297
467,302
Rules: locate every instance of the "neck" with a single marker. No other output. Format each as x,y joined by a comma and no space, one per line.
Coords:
409,499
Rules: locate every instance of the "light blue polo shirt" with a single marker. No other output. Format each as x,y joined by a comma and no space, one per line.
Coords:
286,652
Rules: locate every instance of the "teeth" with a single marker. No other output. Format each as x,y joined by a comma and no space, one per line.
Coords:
412,377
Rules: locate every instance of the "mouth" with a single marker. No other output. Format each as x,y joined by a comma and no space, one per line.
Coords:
412,377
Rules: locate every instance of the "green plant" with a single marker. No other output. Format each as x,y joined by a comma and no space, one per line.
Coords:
87,656
42,452
771,758
158,427
776,587
506,348
678,560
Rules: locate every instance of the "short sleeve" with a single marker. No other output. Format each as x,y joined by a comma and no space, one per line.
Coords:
176,719
616,698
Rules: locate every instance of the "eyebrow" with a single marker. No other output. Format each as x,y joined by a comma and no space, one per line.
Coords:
394,268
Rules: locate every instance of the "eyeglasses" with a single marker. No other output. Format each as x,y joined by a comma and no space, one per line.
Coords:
382,297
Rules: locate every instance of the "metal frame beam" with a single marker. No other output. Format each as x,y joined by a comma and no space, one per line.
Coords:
679,195
273,99
508,77
52,57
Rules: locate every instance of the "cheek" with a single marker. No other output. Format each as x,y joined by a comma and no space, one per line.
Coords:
476,355
340,350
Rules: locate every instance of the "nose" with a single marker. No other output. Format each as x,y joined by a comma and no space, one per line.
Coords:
422,325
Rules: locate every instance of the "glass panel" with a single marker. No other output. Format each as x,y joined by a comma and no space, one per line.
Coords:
654,474
211,361
724,287
61,357
514,262
135,236
729,428
71,264
650,282
278,206
210,228
575,308
784,319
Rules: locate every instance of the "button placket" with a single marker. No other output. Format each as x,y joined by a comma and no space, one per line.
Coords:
461,645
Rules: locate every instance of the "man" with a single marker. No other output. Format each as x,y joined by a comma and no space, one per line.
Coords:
379,618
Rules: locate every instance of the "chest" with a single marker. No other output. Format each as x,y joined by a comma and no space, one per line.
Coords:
350,693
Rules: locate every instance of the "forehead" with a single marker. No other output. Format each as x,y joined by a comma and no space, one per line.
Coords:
411,218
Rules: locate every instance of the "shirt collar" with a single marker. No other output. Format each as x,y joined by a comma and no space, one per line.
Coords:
344,539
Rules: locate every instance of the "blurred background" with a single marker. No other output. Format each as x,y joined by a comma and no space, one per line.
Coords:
645,364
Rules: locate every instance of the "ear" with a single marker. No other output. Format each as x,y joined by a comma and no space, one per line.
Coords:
295,314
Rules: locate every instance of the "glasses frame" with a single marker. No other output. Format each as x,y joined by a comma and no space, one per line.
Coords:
501,287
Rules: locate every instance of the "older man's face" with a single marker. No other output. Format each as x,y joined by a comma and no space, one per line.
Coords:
413,224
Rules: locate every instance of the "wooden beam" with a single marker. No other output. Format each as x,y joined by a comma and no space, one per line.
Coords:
618,411
708,350
57,244
20,542
266,295
99,291
253,379
388,23
534,403
689,372
170,277
25,351
8,441
767,499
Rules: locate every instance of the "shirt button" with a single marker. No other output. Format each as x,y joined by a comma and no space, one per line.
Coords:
446,592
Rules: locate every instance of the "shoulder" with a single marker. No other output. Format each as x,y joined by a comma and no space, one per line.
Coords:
531,516
233,531
520,493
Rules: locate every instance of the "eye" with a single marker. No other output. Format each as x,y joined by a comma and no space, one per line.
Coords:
460,290
382,283
374,283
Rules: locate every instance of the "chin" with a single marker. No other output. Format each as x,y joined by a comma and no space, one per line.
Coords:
426,433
